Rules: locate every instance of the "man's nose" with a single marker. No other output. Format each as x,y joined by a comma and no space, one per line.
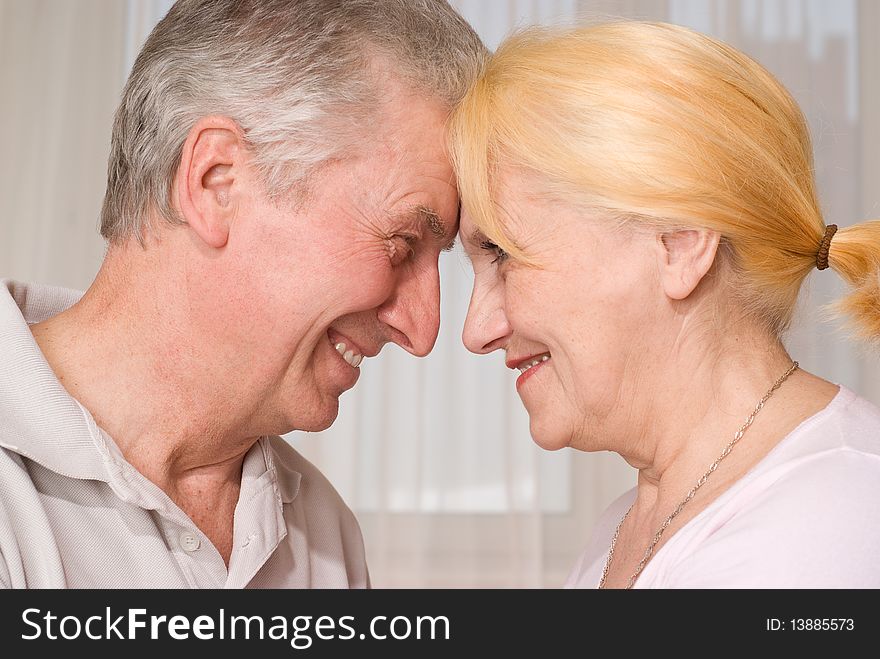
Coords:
486,327
413,310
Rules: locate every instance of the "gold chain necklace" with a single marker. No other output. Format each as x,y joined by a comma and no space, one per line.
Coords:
690,495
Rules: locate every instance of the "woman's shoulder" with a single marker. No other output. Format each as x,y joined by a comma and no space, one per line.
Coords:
815,524
808,515
848,424
827,469
859,418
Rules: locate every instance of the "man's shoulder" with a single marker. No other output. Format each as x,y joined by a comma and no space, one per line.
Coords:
35,302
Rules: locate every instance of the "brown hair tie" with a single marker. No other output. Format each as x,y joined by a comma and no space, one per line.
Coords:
825,247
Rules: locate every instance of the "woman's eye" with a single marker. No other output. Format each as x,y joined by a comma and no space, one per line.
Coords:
489,246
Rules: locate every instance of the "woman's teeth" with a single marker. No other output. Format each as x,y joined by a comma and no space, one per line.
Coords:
353,358
525,366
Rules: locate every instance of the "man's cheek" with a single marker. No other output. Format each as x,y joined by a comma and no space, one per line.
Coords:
366,276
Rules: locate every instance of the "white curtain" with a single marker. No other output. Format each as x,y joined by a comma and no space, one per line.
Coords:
60,68
434,455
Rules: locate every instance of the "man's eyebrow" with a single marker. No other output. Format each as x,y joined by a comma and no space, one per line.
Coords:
436,226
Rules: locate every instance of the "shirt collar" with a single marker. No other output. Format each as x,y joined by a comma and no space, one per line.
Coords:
279,462
39,419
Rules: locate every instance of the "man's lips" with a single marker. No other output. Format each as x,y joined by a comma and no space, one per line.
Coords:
351,352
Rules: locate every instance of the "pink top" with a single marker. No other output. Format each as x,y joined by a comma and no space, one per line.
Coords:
806,516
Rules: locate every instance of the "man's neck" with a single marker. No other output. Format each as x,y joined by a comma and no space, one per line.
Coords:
118,352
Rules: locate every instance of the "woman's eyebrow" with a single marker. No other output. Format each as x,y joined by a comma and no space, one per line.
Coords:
477,237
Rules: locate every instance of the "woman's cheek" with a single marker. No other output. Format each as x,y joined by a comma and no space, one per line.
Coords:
519,293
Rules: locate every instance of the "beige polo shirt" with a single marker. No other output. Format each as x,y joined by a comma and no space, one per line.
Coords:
75,514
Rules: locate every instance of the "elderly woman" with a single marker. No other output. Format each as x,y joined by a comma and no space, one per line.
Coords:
641,212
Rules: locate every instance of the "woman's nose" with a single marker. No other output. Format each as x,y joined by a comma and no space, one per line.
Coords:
486,327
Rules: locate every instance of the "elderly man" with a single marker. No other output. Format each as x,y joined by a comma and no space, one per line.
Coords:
278,196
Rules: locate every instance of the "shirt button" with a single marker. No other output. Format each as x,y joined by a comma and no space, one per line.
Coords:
189,541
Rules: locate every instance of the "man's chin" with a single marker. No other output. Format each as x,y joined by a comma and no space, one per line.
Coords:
316,420
319,426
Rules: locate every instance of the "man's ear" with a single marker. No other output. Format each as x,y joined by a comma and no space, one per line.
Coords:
209,164
685,258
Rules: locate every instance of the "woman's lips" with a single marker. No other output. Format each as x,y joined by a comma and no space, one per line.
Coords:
530,366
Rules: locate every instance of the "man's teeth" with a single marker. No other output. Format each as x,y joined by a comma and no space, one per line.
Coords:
525,366
353,358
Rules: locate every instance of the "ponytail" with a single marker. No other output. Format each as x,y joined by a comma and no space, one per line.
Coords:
855,255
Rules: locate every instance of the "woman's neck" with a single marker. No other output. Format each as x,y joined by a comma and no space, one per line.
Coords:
695,414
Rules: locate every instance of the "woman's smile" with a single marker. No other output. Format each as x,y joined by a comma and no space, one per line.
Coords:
528,367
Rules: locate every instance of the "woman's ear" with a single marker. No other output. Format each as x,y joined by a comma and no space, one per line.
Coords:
210,162
685,258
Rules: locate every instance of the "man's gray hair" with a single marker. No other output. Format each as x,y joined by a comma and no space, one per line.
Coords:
295,75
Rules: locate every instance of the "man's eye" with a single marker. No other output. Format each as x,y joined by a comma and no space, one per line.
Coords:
500,254
401,247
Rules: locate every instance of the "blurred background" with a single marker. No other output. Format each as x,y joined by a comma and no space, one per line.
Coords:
434,455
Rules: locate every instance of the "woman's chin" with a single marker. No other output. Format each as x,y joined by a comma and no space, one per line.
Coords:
549,438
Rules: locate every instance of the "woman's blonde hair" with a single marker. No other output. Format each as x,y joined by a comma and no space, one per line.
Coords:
660,124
